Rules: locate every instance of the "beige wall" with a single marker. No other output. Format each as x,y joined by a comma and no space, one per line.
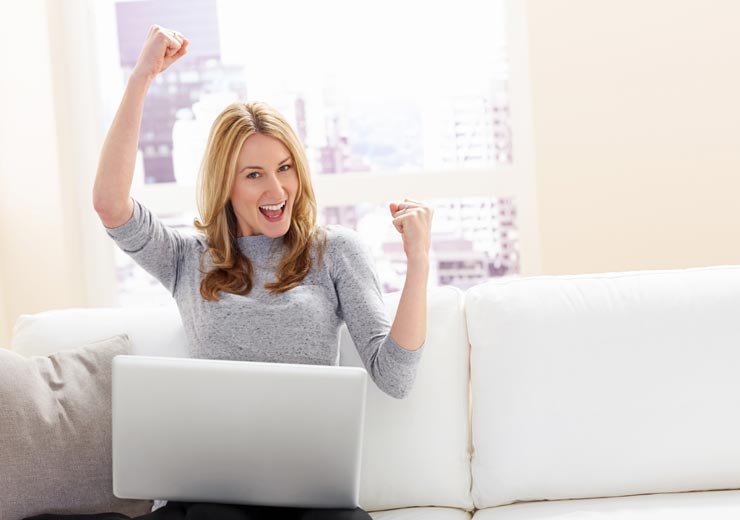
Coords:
37,238
4,327
53,250
636,116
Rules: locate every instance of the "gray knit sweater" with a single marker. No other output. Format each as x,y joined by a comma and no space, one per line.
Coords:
298,326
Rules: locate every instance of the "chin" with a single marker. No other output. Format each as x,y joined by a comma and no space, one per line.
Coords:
279,232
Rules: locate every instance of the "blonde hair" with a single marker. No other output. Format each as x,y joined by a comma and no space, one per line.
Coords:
232,271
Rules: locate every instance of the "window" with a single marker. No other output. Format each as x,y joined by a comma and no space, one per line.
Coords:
474,239
417,101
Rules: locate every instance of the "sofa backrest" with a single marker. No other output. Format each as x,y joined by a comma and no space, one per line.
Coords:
155,331
605,385
416,451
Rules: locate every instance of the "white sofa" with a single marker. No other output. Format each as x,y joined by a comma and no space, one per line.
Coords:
609,396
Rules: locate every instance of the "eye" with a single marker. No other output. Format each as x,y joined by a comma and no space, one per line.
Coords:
249,175
285,168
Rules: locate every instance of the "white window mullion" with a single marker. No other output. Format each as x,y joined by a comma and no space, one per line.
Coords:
337,190
353,188
523,138
166,197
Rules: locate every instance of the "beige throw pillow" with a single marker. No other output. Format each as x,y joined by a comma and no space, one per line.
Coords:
55,433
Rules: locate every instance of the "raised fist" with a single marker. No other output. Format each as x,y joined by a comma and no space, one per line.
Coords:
413,219
162,48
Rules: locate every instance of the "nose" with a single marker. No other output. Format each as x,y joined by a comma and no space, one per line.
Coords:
275,188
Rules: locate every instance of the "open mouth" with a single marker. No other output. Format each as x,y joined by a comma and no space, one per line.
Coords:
273,213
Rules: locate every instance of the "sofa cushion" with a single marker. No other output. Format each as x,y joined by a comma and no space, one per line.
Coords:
155,331
712,505
605,385
422,513
55,431
416,450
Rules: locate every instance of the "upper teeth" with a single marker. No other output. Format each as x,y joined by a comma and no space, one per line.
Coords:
274,208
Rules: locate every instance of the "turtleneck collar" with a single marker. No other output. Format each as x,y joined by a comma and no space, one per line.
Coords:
260,247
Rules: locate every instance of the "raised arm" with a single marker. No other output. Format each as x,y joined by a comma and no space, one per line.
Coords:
111,192
391,366
413,220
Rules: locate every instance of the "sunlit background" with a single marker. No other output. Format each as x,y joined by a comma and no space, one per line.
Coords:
400,95
551,137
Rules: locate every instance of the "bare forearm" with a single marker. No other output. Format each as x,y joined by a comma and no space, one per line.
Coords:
111,194
410,325
118,156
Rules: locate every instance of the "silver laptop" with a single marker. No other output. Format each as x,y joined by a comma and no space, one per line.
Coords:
236,432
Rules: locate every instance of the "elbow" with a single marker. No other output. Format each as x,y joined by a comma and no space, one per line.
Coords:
112,214
100,209
101,204
400,396
399,392
97,203
392,369
108,202
105,215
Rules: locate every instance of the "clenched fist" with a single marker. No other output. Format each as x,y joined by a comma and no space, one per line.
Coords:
162,48
414,221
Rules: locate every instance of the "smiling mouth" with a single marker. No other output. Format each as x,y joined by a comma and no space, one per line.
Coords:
273,213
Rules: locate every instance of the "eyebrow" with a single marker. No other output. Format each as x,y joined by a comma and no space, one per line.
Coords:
261,168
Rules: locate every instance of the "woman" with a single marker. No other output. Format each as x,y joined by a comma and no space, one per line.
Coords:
262,282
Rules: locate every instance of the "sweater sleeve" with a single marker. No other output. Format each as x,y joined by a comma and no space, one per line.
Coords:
158,249
392,367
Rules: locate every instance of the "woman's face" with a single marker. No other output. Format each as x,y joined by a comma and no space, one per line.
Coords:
265,175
